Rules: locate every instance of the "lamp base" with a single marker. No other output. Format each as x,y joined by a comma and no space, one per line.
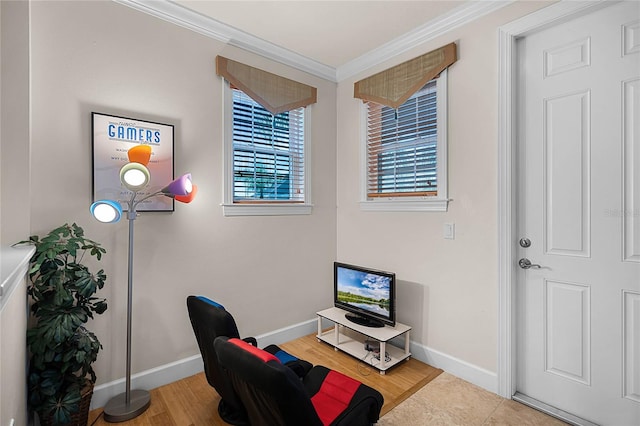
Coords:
117,409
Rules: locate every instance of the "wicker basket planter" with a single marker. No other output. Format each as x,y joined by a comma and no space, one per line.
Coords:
81,417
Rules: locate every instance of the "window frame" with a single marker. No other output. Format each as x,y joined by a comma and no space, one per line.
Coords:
276,207
438,203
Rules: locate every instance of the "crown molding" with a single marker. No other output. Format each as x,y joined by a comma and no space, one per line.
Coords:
461,15
209,27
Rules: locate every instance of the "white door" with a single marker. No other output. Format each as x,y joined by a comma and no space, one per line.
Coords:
578,304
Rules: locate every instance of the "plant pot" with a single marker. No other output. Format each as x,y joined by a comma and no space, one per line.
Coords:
81,417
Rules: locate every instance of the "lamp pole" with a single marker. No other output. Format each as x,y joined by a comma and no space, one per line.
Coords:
130,404
131,215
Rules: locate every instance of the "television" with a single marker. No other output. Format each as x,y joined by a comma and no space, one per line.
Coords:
368,295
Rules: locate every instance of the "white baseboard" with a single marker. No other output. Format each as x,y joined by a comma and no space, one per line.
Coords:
287,334
149,379
168,373
471,373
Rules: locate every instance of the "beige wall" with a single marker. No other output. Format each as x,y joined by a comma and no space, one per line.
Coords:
448,289
270,272
14,128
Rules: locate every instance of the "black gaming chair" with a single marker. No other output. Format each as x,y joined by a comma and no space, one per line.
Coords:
274,396
210,320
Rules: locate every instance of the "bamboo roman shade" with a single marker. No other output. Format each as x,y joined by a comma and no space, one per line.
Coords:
276,94
394,86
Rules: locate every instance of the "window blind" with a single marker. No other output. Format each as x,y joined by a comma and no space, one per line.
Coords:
268,153
402,146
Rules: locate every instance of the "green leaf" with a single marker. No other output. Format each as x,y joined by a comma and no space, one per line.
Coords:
100,307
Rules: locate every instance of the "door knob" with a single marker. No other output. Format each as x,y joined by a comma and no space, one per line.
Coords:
526,264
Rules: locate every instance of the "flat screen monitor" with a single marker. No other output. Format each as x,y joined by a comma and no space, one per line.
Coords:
368,295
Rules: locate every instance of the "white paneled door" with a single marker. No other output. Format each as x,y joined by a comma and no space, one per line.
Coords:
578,295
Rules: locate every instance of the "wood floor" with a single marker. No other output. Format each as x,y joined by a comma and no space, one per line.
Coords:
192,402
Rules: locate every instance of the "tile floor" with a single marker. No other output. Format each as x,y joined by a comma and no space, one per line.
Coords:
448,400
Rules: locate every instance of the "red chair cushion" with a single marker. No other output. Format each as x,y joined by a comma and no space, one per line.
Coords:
334,396
263,355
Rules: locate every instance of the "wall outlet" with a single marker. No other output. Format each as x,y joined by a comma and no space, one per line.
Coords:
449,231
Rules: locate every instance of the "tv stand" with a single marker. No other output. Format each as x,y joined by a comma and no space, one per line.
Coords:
364,321
350,338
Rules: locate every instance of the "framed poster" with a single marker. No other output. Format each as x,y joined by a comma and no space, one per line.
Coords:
112,136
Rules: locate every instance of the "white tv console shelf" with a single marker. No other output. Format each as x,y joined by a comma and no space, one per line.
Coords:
350,338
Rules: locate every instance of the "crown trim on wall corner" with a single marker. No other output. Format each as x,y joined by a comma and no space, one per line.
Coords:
459,16
209,27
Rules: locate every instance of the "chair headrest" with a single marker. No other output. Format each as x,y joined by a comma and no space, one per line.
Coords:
261,354
210,302
210,320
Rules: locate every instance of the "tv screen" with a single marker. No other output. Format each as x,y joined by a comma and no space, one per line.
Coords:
367,294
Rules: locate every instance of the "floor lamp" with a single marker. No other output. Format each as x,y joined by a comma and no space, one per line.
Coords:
135,176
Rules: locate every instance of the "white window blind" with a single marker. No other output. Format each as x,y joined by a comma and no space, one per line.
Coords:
268,153
402,147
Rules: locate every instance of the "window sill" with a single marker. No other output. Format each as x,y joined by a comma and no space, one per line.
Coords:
266,209
437,205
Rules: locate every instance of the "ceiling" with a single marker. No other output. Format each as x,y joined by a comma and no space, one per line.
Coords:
329,32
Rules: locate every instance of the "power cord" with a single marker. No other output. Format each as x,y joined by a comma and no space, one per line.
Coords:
387,357
362,366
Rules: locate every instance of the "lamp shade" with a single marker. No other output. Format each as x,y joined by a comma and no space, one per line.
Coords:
188,198
106,211
134,176
179,186
140,154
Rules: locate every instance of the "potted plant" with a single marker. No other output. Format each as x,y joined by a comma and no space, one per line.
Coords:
62,350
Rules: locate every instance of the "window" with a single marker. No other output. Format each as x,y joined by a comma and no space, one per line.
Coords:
266,159
405,152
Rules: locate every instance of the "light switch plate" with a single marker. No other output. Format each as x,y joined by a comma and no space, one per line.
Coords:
449,231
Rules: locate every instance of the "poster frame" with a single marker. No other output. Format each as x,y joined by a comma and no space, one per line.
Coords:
111,137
